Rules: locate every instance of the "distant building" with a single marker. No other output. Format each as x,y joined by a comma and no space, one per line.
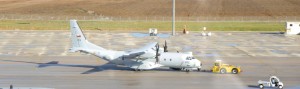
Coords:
293,28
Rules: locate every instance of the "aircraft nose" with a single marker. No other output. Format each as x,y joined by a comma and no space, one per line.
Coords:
197,63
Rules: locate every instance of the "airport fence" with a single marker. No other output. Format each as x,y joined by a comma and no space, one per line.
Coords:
237,23
155,18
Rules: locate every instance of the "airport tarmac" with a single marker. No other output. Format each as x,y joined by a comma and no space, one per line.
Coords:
41,59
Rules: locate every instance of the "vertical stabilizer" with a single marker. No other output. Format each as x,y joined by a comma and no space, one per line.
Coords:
77,37
79,42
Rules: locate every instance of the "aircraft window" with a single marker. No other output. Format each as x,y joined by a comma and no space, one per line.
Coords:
165,59
170,59
291,24
188,58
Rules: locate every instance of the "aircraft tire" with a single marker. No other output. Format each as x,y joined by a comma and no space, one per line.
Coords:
137,69
199,69
187,70
175,68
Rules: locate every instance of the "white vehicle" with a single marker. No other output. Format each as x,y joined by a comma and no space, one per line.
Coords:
273,82
153,31
145,58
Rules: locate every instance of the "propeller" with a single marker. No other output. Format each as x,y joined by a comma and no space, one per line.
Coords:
165,46
157,54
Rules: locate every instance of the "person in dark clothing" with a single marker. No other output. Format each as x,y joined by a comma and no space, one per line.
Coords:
11,87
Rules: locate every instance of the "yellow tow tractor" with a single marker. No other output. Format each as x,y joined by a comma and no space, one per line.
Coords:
221,68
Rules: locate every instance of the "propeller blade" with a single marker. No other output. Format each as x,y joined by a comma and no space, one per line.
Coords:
157,54
157,48
165,46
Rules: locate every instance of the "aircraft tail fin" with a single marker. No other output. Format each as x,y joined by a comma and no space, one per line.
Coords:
77,37
79,42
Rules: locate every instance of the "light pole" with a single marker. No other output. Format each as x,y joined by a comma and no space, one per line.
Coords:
173,19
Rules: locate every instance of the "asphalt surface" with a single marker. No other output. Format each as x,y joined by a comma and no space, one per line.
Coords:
40,59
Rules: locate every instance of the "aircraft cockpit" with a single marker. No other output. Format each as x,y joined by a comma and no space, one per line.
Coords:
190,58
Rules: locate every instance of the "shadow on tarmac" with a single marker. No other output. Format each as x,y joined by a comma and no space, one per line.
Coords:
253,86
256,87
107,66
272,33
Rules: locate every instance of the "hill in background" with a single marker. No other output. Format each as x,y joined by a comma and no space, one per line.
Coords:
143,8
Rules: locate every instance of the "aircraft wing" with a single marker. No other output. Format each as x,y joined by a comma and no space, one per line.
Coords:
77,49
143,64
134,54
147,51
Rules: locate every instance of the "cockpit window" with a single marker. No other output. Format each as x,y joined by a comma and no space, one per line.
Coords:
188,58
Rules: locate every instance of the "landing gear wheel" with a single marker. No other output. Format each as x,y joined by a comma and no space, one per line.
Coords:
177,69
280,87
261,86
223,71
234,71
138,70
199,69
187,70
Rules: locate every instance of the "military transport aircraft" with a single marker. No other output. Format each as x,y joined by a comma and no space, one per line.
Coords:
145,58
